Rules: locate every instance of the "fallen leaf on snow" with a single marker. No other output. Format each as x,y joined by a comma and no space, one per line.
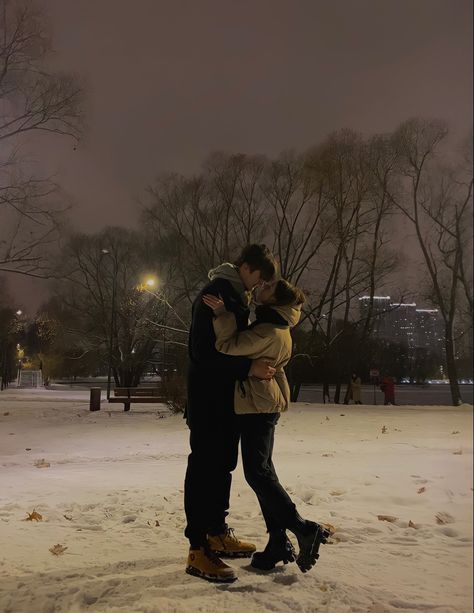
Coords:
68,517
389,518
444,518
384,429
34,516
421,490
42,464
57,550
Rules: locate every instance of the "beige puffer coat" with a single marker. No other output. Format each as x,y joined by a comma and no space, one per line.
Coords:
262,341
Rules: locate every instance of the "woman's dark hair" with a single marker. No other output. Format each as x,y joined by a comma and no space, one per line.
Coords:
258,257
286,293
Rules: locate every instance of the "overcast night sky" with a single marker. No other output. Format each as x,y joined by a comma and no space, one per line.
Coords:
169,82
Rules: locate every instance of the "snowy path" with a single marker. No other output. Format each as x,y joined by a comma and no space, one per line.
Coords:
112,494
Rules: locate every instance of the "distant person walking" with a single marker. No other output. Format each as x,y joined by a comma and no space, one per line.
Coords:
355,389
388,388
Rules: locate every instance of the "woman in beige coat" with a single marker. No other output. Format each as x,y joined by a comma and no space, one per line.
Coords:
258,405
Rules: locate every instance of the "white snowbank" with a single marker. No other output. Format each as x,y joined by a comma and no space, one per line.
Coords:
112,495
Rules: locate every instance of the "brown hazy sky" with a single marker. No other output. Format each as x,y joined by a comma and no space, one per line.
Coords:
170,81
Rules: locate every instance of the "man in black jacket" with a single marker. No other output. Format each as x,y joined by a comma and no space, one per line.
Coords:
214,428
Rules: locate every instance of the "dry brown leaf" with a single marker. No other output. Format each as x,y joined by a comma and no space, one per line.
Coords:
412,525
389,518
34,516
57,550
157,523
68,517
42,463
459,452
421,490
444,518
384,429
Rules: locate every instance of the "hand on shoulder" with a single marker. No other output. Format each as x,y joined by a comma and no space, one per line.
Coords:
215,303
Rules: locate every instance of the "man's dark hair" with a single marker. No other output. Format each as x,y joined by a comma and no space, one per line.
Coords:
259,257
286,293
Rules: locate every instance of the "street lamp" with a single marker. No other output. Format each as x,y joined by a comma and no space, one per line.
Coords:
105,252
147,286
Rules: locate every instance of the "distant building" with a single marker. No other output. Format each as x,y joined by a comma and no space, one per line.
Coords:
429,330
381,306
403,323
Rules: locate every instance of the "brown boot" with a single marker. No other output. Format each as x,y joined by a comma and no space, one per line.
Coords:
205,564
228,545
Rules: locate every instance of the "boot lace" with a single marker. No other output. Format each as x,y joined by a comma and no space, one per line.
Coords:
230,534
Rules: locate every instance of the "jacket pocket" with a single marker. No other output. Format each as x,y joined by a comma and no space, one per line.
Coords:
265,396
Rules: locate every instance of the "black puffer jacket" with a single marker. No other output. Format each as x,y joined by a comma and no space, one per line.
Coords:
212,375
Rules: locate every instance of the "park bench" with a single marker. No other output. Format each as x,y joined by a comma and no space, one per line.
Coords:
127,396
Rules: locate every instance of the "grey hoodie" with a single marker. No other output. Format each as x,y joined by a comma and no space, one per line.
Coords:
230,272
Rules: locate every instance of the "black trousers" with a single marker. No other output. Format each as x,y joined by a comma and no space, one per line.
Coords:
214,441
257,432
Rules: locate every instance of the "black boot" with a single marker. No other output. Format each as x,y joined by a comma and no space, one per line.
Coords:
278,549
310,536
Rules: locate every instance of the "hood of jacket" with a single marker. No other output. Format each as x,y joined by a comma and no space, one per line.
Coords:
291,313
231,273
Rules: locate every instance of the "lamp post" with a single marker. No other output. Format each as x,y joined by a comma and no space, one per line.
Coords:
105,252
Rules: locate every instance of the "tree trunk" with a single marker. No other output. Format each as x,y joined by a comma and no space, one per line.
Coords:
451,367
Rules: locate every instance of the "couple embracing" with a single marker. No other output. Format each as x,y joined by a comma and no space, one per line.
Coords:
237,389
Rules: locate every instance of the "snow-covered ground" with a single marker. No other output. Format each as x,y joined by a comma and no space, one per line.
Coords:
110,489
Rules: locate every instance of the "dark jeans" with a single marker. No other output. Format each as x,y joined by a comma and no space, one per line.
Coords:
214,452
257,432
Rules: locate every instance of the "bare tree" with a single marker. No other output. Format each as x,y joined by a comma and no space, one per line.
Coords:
295,192
199,222
32,99
356,257
101,305
438,202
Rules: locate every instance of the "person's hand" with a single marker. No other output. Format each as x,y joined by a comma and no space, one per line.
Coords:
262,370
215,303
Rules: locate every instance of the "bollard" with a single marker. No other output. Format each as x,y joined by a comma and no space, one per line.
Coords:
94,404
